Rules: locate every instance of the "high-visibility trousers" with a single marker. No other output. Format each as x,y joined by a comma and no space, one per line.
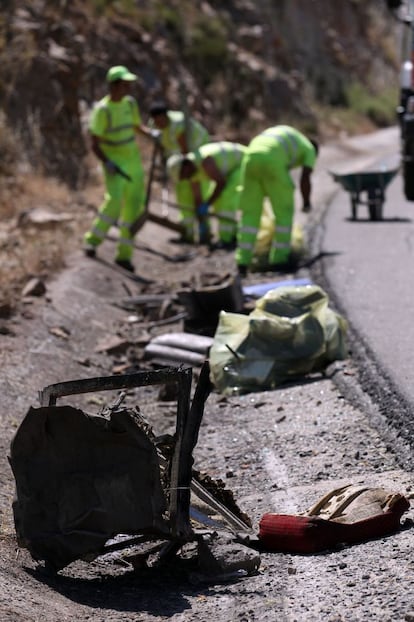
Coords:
123,203
226,207
264,174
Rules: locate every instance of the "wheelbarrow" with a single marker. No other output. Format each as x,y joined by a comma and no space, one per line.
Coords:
372,183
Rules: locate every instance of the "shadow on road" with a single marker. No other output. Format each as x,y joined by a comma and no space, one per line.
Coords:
312,260
158,591
377,222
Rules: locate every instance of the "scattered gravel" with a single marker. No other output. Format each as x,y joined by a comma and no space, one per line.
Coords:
278,451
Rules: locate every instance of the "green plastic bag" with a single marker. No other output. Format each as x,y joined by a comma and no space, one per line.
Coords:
290,333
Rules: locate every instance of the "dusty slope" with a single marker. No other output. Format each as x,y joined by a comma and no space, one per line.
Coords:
278,451
244,66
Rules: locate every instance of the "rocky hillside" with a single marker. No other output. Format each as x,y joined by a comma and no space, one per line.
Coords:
239,64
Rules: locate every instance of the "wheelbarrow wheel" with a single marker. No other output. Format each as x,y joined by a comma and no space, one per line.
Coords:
375,204
354,206
375,210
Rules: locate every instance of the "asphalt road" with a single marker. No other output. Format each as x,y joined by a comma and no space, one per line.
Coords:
368,269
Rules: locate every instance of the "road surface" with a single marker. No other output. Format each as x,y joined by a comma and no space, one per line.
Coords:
368,268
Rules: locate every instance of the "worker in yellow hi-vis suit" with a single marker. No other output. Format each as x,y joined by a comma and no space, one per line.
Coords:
218,163
113,125
266,173
181,135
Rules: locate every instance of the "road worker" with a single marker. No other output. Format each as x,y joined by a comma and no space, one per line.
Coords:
114,123
218,164
181,135
266,173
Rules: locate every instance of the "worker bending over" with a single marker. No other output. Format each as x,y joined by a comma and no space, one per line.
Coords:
113,126
218,164
181,135
266,173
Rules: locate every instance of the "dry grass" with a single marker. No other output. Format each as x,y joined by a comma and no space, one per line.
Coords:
29,248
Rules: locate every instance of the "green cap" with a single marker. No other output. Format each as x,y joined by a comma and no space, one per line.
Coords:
119,72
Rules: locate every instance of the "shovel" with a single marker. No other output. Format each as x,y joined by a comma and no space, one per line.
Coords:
143,247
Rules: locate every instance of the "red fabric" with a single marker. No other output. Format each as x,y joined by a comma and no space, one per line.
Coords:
309,534
297,534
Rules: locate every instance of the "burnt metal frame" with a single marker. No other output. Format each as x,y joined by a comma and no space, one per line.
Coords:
187,428
181,466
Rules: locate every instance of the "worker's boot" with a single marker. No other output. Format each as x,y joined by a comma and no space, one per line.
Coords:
125,264
229,245
89,250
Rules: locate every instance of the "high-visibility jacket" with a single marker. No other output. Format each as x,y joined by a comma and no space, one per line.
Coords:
114,123
227,156
198,134
286,144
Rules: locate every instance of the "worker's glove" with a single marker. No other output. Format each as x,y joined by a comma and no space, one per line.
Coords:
155,134
307,208
202,209
110,167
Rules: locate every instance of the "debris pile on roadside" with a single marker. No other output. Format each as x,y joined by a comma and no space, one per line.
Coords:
256,337
83,481
97,486
204,303
192,312
176,348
